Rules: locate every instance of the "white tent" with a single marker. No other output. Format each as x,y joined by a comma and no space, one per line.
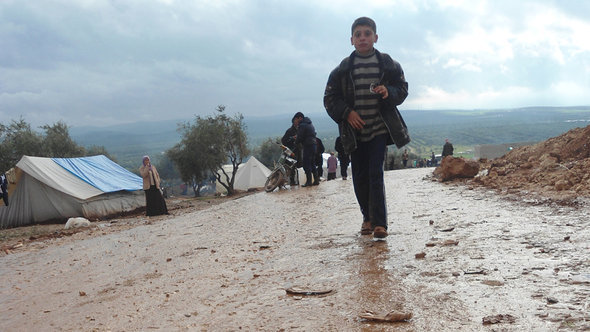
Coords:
251,174
59,188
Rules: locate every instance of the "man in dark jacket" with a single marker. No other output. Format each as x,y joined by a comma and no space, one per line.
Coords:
319,157
361,96
306,136
343,157
288,140
447,149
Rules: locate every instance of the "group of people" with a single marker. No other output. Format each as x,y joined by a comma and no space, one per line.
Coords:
302,139
432,162
361,96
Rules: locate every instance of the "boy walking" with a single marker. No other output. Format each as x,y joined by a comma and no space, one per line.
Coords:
362,95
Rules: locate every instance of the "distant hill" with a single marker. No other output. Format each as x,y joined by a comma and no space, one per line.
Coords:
428,130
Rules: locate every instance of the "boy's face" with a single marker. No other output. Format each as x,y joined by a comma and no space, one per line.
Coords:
363,39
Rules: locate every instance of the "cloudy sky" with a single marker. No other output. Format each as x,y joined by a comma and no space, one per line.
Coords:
100,62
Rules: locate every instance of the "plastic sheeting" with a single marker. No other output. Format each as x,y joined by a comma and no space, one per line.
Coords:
101,173
54,176
45,190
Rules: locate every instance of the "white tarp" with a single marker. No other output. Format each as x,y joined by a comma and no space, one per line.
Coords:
54,176
45,190
251,174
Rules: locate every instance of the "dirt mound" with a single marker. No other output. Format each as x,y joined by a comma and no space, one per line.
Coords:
452,168
558,168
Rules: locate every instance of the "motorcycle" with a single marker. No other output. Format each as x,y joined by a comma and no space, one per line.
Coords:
282,171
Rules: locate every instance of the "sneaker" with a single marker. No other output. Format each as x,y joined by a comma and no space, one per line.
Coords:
366,228
380,232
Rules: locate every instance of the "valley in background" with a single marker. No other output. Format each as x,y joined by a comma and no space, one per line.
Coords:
428,131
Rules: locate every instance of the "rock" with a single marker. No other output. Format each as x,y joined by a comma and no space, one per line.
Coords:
389,317
495,319
495,283
552,300
77,222
562,185
452,168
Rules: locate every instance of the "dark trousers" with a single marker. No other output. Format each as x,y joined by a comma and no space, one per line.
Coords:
344,161
309,158
367,178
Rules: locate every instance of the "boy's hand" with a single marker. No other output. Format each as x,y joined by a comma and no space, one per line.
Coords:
354,119
382,90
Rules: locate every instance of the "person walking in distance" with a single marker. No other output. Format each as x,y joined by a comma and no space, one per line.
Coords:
332,166
343,157
447,149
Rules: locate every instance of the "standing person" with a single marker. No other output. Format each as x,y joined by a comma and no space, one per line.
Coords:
319,157
332,166
306,136
155,204
362,95
447,149
432,159
4,188
343,157
288,140
405,158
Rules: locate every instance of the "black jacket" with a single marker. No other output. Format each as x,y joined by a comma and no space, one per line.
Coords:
339,100
447,149
319,150
305,133
288,139
338,146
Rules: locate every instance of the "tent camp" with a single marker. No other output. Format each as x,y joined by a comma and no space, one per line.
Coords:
251,174
56,188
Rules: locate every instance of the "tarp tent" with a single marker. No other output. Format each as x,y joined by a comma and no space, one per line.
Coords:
54,188
251,174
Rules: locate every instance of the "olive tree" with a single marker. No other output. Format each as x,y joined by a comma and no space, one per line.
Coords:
58,143
269,151
209,143
18,139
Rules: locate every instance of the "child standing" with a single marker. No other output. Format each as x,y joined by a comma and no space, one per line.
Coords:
332,166
362,95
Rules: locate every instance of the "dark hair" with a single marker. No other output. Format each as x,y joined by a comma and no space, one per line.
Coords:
365,21
297,115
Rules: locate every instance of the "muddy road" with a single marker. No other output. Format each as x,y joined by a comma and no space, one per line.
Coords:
519,266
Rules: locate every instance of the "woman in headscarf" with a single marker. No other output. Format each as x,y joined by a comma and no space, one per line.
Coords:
154,201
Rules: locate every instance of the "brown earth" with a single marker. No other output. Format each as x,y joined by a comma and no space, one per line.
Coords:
557,169
40,235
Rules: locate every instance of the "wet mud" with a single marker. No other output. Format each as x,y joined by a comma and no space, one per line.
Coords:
456,259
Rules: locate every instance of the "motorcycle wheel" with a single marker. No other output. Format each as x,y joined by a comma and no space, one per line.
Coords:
275,179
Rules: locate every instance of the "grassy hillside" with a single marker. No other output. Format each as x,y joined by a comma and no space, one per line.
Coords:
428,130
